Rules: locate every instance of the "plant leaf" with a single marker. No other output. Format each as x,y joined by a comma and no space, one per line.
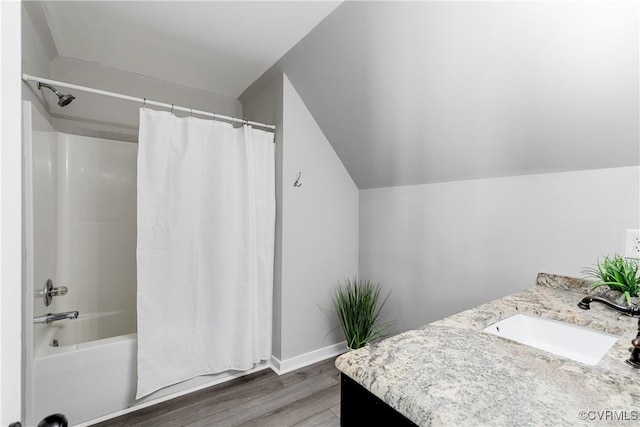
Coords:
357,304
617,273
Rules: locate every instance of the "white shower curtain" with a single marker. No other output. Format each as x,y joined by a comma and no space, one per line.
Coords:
206,218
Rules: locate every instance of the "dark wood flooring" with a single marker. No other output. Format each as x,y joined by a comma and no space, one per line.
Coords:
308,397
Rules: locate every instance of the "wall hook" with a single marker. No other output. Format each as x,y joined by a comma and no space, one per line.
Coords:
298,183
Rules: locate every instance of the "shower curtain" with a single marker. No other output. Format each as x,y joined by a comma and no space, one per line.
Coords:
206,219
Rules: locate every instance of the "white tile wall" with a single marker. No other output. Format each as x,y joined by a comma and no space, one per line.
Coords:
44,169
85,223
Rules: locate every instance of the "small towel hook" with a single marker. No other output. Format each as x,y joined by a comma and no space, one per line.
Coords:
298,183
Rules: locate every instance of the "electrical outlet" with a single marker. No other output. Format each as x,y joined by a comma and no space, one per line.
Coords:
632,243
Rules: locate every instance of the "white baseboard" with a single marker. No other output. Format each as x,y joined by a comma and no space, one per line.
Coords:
283,366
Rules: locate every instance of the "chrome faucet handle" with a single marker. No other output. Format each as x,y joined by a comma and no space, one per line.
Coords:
49,292
59,291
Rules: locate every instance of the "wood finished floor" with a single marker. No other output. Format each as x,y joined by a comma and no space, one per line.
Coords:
308,397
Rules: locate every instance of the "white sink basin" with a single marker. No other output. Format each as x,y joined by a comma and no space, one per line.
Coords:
574,342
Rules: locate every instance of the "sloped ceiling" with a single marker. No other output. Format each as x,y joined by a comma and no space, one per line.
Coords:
406,92
217,46
420,92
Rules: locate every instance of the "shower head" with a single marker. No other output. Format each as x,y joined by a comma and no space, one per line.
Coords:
63,100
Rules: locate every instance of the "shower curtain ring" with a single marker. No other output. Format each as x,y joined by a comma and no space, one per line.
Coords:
144,104
192,113
171,112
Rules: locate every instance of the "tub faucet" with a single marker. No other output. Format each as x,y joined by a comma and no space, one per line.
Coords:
54,317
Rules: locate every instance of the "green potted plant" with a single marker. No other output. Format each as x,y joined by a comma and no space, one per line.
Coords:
618,274
357,303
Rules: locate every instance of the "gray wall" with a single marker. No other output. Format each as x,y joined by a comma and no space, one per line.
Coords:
319,234
316,225
446,247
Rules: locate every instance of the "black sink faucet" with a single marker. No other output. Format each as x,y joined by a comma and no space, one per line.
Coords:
630,311
634,360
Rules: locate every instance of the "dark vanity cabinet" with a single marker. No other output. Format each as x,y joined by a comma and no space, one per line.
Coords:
360,407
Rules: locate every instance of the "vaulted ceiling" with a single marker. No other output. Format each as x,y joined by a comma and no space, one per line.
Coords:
419,92
217,46
406,92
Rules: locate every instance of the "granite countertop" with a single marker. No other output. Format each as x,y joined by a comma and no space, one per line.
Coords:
449,372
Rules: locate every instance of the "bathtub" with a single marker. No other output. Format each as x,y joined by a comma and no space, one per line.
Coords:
90,378
87,375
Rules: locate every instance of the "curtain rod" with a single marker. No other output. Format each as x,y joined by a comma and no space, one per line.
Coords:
144,101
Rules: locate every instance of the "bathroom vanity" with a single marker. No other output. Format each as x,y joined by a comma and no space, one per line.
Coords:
450,372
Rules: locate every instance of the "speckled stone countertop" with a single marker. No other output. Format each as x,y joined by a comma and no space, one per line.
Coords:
450,373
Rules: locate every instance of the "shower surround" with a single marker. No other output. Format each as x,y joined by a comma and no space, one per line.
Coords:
80,226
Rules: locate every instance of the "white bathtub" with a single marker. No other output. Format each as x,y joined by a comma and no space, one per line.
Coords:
86,376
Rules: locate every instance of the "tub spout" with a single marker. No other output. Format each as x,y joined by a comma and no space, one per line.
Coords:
54,317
